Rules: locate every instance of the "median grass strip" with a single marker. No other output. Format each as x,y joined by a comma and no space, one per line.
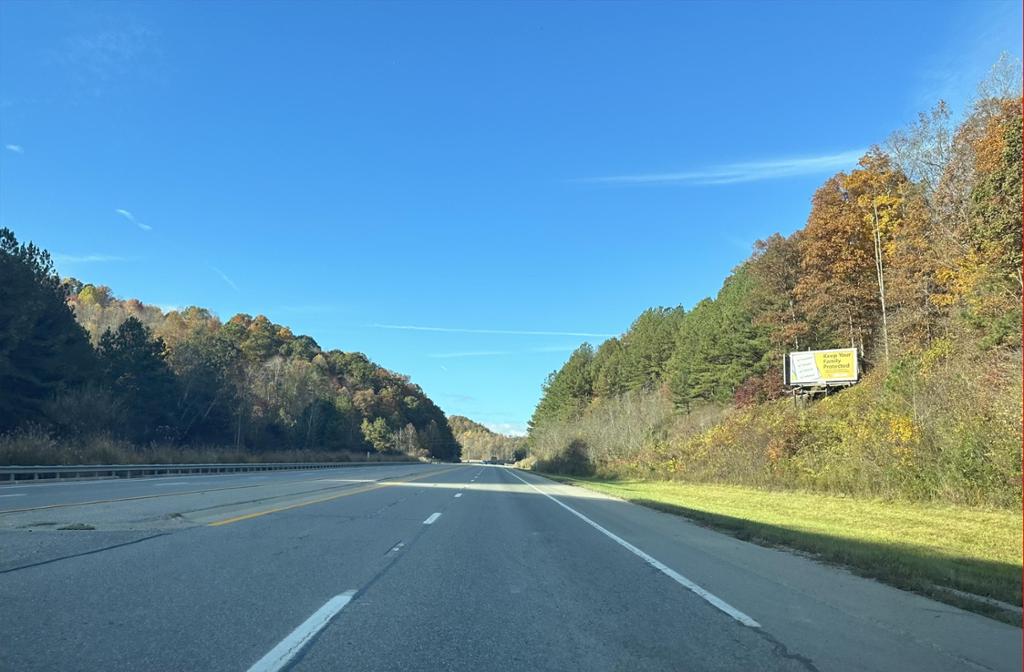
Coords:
920,547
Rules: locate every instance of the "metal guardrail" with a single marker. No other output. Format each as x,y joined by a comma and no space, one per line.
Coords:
72,471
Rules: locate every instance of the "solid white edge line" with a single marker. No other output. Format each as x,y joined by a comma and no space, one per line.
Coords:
279,656
711,599
431,519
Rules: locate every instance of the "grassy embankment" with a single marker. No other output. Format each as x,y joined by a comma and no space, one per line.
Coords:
926,548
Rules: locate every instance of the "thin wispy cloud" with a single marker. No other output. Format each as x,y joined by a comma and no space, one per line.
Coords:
85,258
746,171
472,353
225,278
17,149
501,353
509,332
953,73
463,398
131,218
554,348
310,308
101,58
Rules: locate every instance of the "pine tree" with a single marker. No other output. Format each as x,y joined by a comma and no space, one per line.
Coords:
42,349
134,365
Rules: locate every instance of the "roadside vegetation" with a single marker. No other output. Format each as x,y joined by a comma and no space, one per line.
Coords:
38,447
88,377
926,548
939,427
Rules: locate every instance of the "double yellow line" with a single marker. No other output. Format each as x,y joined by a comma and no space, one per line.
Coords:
347,493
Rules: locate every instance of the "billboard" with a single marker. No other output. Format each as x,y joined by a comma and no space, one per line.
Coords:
821,367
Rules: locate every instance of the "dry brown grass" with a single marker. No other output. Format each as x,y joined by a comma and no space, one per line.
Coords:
33,446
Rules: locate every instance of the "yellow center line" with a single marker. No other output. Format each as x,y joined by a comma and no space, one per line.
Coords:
158,495
356,491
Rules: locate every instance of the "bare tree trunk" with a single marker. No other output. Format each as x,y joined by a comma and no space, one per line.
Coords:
792,315
309,424
880,271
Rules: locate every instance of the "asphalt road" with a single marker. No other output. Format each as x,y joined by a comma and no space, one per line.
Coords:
432,567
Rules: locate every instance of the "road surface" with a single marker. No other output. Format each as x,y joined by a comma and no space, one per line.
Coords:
432,567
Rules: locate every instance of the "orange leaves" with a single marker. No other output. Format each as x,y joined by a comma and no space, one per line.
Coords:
836,288
990,146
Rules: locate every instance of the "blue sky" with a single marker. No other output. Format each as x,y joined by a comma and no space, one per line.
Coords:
465,192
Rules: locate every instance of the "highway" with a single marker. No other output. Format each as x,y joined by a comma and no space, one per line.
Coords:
432,567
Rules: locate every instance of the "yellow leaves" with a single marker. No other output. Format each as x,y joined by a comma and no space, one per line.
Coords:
901,429
879,198
961,279
939,350
778,450
990,146
87,296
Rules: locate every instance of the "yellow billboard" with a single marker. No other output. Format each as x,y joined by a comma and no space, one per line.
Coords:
822,367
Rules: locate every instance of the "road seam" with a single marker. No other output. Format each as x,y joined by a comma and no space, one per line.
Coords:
297,505
289,507
83,553
166,494
710,598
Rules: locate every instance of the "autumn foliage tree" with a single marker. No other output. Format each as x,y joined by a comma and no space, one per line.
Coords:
837,288
993,283
75,360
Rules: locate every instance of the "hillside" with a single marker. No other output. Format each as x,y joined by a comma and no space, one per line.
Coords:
480,443
913,258
81,366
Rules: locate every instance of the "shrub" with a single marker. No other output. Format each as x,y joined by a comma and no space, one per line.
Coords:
941,425
573,460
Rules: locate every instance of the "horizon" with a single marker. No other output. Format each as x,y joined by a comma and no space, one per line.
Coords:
465,205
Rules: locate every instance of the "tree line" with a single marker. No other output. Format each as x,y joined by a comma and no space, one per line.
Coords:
480,443
77,361
919,244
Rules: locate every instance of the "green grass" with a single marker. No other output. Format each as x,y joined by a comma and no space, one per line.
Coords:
919,547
